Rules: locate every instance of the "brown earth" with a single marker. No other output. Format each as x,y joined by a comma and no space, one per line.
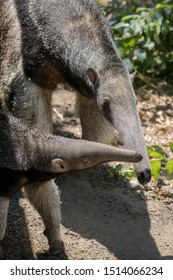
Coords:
104,217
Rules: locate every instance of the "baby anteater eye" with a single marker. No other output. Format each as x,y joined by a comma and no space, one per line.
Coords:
62,166
85,161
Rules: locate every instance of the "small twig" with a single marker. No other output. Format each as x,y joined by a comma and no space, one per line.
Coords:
60,116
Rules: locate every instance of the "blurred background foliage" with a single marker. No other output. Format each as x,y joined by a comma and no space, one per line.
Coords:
143,33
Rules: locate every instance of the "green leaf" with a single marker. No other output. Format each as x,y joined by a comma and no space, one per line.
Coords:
156,39
161,6
169,167
136,28
158,29
117,169
140,9
120,24
155,152
129,17
141,55
130,174
171,146
159,17
132,42
150,45
127,35
155,167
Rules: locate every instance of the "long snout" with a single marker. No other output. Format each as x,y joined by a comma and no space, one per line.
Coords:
91,153
105,153
142,168
124,117
81,154
134,139
141,165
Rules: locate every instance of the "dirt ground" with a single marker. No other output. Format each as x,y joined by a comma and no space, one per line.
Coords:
103,217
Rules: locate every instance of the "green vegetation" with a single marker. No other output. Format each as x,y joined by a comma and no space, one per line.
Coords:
158,159
143,33
157,156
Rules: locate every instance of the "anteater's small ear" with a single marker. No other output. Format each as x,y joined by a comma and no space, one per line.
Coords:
132,76
93,76
57,166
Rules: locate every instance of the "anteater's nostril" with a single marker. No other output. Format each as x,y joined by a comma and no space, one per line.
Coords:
144,177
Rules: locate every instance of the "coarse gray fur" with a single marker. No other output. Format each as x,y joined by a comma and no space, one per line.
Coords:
32,103
47,42
71,41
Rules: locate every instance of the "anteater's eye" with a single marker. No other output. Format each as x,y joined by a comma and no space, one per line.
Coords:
85,161
106,108
106,104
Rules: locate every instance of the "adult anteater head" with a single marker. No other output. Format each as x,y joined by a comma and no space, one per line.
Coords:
116,100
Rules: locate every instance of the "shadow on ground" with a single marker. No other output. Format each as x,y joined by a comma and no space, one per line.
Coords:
16,244
116,218
101,220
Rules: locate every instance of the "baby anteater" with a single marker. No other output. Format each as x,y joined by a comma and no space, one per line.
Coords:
27,155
